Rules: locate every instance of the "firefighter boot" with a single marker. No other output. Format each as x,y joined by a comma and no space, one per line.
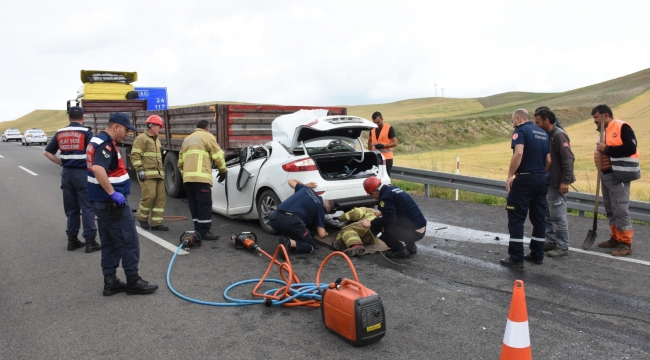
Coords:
91,245
74,243
113,285
136,285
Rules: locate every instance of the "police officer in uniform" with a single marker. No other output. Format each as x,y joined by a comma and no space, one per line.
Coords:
401,223
146,157
72,141
198,152
108,186
527,189
383,139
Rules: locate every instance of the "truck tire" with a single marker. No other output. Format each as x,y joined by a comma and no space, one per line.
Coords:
173,178
267,202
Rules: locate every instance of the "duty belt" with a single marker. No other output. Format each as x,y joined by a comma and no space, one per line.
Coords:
528,173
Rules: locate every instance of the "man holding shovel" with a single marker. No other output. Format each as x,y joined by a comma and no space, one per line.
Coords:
620,166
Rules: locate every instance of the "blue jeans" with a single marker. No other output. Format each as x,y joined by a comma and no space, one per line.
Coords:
557,228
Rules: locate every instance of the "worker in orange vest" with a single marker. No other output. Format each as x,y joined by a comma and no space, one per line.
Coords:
620,166
383,139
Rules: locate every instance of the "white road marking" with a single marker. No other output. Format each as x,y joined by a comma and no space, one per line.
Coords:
29,171
2,156
458,233
160,241
39,147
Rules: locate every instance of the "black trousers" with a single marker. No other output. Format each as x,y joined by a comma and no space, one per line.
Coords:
527,197
199,198
394,235
293,227
389,165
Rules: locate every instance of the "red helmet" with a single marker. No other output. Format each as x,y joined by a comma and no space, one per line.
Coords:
371,184
155,120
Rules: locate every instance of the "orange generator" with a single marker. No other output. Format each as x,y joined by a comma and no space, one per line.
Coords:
353,312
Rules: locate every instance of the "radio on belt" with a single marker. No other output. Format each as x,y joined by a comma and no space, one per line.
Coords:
353,312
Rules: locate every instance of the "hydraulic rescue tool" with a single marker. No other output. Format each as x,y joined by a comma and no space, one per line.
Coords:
348,308
245,240
190,238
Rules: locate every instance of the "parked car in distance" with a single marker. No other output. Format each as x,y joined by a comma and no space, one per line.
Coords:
11,135
34,136
309,146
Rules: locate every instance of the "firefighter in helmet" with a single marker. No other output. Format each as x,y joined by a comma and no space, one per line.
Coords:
146,157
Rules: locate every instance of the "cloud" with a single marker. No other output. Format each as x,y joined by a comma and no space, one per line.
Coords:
316,53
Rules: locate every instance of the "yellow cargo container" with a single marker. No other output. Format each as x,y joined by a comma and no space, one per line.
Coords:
106,85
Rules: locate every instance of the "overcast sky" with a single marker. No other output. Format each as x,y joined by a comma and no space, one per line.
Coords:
317,52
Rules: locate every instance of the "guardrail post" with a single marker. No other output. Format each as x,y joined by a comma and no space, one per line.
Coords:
426,190
581,213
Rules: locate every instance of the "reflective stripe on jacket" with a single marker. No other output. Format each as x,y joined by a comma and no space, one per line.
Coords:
118,177
625,169
146,155
199,151
383,139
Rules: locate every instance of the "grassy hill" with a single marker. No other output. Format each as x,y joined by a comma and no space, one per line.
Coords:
46,120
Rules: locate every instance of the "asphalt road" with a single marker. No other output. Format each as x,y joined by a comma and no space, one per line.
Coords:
450,301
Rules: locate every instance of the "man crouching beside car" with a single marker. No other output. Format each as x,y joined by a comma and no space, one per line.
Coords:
302,209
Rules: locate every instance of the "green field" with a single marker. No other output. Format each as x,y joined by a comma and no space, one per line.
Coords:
432,132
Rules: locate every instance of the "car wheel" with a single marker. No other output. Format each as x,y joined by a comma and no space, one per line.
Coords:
173,178
267,202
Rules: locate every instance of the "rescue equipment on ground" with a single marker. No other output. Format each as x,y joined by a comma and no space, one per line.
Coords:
190,238
348,308
245,240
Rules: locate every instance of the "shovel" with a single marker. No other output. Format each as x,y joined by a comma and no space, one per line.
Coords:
591,235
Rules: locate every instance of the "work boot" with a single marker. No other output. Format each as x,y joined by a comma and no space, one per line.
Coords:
412,248
530,258
549,245
209,236
508,262
161,227
92,245
74,243
611,243
144,224
338,245
136,285
622,250
113,285
557,253
397,254
354,250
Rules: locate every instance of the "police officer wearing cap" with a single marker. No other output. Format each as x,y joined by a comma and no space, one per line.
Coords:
108,186
527,189
401,223
72,141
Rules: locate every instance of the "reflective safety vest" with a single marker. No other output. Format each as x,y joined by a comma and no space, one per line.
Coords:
383,139
146,155
71,141
199,151
625,169
117,176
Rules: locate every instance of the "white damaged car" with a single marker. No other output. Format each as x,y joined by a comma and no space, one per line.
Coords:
308,145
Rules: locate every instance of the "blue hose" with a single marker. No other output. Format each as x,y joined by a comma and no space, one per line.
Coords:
303,291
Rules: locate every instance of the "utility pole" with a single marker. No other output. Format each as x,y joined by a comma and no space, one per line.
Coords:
435,87
443,92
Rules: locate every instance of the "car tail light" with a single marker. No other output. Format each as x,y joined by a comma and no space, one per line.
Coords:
29,136
300,165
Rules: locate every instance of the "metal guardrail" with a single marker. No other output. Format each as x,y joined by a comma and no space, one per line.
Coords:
639,210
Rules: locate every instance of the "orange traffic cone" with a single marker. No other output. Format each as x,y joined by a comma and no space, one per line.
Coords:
516,340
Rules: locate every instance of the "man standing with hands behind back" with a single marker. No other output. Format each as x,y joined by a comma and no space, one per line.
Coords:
383,139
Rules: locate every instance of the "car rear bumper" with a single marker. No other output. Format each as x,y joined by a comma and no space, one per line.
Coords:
349,203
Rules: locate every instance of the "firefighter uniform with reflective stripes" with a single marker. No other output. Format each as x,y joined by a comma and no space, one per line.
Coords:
355,233
72,141
198,152
620,167
119,238
146,155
